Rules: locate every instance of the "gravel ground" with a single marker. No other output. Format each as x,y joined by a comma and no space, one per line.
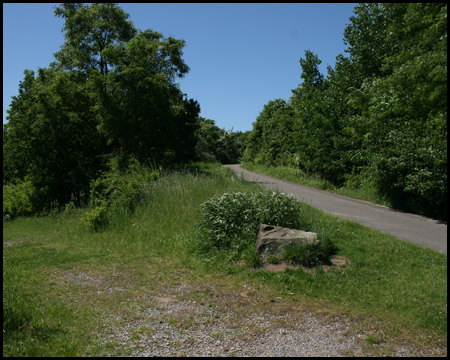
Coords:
187,328
173,325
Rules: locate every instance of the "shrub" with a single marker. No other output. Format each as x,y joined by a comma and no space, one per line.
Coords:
97,218
19,199
119,191
231,220
123,190
277,209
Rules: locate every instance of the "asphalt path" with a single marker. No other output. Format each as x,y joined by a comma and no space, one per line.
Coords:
417,229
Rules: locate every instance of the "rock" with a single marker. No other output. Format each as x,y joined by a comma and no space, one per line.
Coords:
339,261
272,240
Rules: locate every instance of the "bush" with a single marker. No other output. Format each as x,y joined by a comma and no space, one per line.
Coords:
231,221
97,218
277,209
19,199
119,191
123,190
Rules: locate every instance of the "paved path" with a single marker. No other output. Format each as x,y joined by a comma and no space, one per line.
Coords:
413,228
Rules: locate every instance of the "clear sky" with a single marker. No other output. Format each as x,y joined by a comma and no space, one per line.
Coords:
240,55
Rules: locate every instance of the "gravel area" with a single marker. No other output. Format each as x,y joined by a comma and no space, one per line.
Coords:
186,328
222,319
218,338
173,325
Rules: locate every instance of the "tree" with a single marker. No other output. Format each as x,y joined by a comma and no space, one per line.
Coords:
365,37
406,127
90,32
139,107
52,137
318,130
378,116
270,140
215,144
208,135
143,112
112,91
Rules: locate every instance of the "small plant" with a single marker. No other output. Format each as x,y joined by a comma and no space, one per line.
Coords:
373,339
123,190
273,259
227,218
97,218
251,258
309,254
69,207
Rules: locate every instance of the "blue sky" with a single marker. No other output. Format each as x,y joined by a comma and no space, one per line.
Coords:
240,55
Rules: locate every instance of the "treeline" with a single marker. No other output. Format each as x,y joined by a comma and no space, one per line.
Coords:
380,114
110,96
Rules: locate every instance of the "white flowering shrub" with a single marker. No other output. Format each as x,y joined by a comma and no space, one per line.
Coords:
232,219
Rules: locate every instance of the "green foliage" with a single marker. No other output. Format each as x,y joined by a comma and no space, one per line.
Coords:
18,200
365,36
389,281
143,112
215,144
271,138
277,209
90,33
230,221
112,90
119,191
378,118
97,218
52,138
69,207
407,134
229,217
123,190
310,254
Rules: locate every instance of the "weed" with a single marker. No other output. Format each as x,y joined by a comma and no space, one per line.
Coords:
310,254
373,339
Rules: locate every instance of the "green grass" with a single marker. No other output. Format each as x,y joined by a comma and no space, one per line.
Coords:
51,264
364,191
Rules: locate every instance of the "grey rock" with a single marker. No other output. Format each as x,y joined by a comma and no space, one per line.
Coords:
272,240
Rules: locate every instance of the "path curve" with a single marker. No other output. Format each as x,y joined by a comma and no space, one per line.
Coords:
410,227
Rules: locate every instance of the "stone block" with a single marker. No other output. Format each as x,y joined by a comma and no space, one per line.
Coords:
272,240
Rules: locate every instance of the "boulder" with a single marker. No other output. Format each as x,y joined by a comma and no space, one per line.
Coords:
272,240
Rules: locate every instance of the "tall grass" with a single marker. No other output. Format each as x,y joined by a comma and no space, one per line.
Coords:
388,280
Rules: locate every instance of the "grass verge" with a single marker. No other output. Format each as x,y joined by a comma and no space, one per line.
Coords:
64,286
364,191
